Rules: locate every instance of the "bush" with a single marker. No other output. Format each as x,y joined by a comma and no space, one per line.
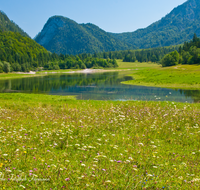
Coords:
83,66
170,59
56,67
6,67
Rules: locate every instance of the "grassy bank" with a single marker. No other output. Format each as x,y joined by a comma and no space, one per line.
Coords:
55,142
176,77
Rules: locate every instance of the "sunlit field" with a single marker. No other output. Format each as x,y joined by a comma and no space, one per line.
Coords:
55,142
178,77
136,65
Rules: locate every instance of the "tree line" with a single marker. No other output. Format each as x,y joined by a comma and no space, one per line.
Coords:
189,53
141,55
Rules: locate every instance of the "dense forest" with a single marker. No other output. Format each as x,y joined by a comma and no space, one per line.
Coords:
18,53
189,53
144,55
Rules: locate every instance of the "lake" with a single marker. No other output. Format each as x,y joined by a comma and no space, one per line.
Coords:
95,86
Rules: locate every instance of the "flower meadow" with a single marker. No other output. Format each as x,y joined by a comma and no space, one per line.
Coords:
55,142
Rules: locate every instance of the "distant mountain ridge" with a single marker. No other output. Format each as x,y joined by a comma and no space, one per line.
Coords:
63,35
175,28
7,25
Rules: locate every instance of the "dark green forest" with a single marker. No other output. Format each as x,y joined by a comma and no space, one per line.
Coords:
144,55
189,53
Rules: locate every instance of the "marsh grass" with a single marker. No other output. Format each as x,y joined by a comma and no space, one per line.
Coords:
55,142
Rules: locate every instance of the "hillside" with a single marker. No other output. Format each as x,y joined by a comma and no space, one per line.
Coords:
62,35
175,28
21,51
7,25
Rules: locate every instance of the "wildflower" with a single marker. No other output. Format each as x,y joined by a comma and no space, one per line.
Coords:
25,152
180,177
22,186
108,181
196,179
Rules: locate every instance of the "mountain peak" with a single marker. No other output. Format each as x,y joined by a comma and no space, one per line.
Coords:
63,35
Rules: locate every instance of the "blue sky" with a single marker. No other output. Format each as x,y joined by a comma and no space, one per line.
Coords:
111,15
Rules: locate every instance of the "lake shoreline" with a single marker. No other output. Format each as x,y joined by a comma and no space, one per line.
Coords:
13,75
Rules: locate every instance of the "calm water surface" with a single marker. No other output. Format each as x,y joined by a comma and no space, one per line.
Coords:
96,86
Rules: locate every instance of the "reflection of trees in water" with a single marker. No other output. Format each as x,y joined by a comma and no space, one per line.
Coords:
107,83
56,82
194,94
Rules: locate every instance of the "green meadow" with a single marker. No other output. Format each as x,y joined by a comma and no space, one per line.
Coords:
58,142
176,77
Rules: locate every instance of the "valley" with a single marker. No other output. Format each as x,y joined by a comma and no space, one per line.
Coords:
82,108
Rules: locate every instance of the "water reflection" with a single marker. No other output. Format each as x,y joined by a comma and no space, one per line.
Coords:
96,86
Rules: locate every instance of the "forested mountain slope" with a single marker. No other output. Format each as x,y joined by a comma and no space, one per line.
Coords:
7,25
175,28
21,51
